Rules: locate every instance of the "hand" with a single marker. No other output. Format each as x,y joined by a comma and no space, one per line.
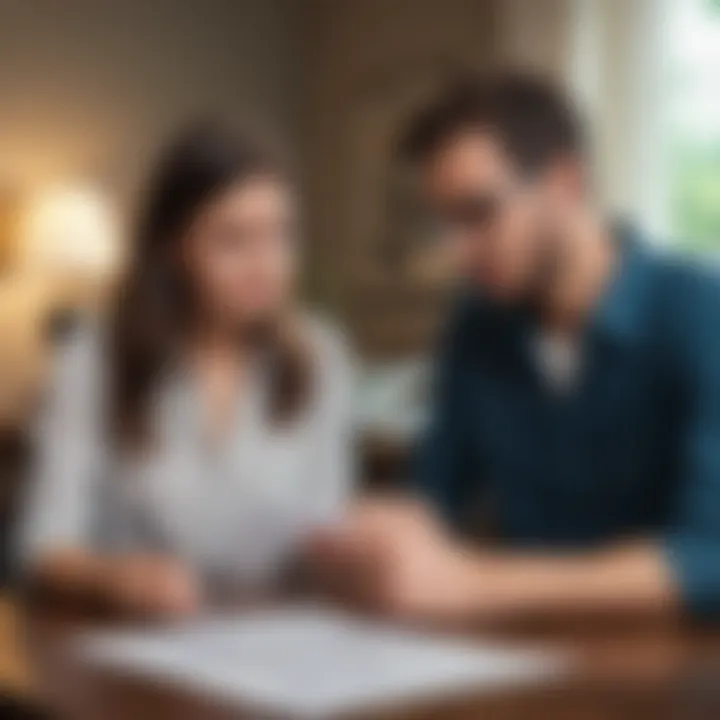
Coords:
394,557
151,585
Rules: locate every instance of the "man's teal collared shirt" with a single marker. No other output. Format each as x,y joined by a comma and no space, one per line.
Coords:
632,451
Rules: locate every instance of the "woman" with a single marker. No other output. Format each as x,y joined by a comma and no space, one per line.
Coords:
206,431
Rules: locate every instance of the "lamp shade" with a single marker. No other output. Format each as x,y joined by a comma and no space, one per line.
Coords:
70,232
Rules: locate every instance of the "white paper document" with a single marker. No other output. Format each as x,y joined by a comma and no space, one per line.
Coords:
313,662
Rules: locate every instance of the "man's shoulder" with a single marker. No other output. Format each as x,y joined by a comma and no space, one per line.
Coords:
688,288
688,310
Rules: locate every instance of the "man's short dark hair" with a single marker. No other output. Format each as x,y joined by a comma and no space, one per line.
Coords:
531,117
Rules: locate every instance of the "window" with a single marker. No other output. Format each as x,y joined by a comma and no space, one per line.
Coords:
692,116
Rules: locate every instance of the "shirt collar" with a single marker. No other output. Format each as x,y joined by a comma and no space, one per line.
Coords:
622,312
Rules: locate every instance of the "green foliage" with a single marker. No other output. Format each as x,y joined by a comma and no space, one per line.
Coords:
695,194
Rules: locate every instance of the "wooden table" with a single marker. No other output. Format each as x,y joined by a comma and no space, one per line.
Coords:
621,670
15,674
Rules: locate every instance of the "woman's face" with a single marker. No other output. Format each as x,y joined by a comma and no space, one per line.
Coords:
240,252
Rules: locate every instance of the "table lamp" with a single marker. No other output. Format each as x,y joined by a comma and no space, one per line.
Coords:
69,238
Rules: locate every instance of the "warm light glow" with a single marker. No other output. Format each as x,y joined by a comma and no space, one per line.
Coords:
70,231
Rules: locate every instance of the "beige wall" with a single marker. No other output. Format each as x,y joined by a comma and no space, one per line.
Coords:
536,34
88,88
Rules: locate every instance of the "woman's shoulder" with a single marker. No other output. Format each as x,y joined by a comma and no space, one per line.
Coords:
81,355
87,339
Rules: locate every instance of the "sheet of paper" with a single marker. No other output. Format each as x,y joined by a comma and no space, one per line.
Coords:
310,661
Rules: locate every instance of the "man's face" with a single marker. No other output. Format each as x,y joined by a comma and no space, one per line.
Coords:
501,232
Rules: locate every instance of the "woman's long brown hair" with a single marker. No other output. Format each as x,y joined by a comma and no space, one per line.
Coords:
155,308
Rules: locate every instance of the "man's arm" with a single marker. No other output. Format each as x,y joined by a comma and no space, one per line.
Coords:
402,562
691,545
623,579
406,564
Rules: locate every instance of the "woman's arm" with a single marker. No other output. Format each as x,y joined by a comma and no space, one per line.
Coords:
58,551
138,584
68,458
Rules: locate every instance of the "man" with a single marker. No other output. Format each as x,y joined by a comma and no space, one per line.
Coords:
578,396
